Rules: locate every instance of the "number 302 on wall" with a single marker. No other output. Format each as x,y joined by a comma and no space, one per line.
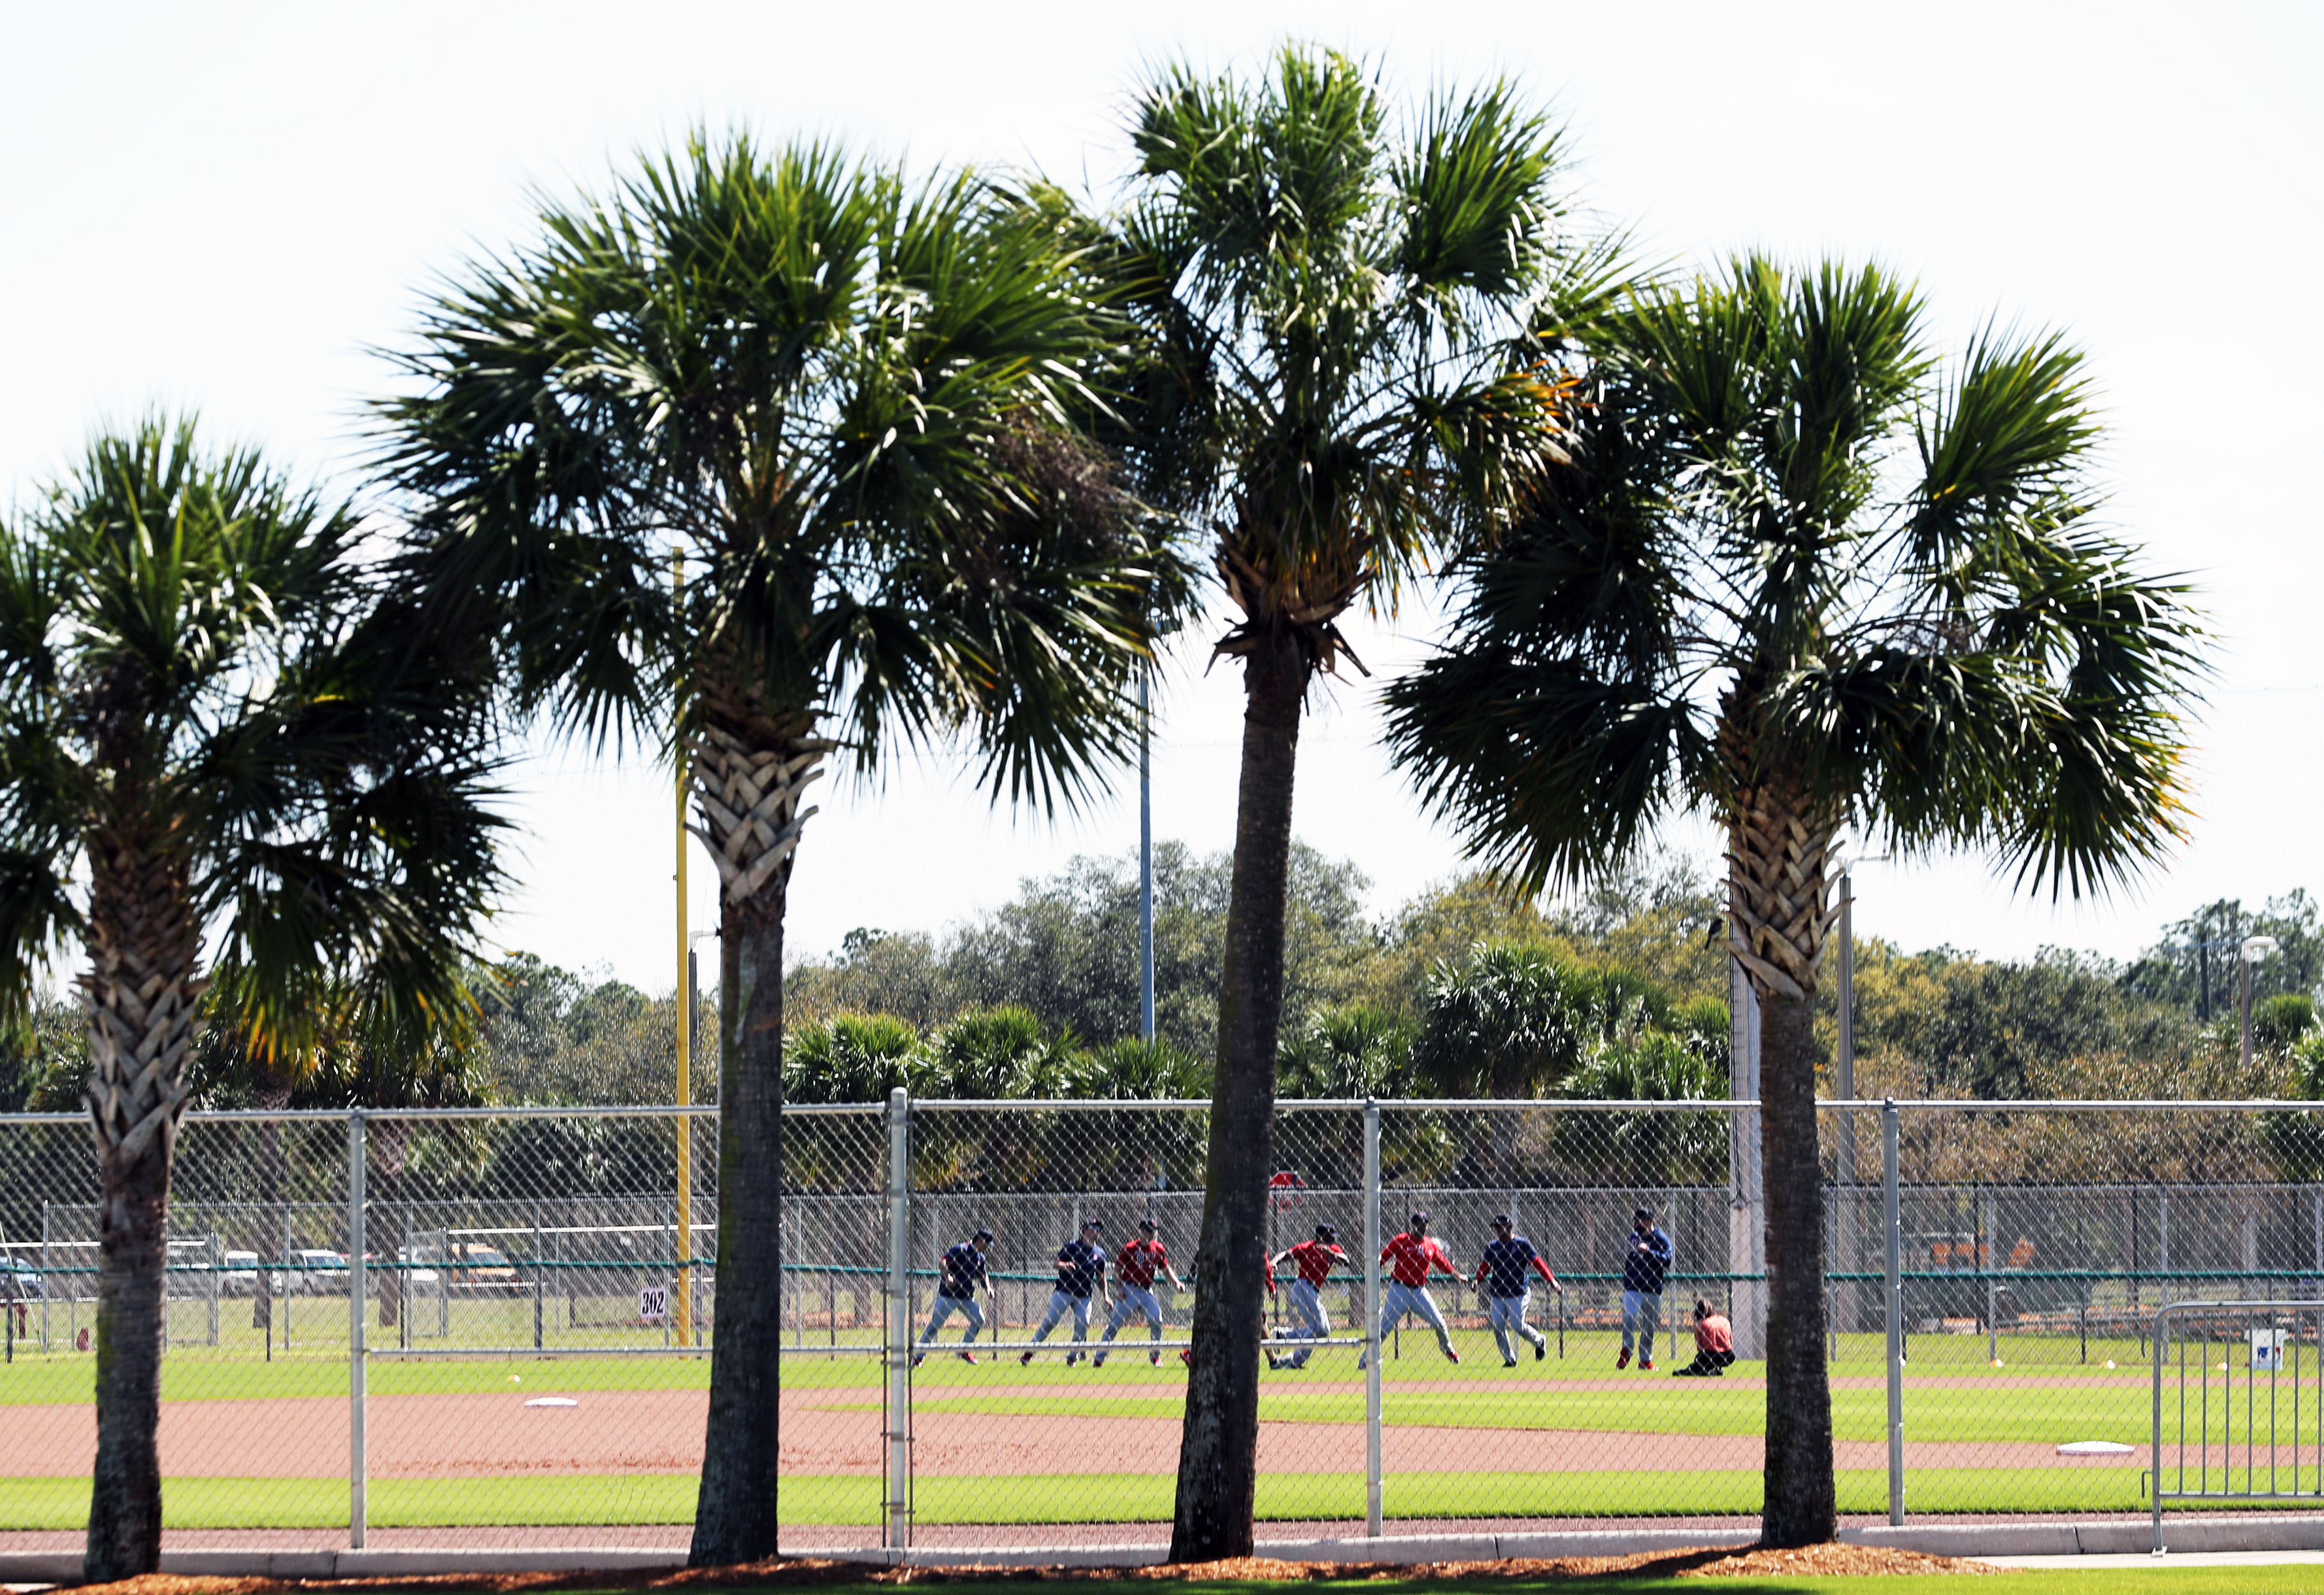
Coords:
653,1302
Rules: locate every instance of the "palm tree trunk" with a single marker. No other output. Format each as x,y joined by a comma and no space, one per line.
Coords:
1778,921
747,787
1218,1448
1799,1506
141,989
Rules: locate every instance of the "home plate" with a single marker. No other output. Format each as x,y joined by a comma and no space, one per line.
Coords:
2077,1448
568,1401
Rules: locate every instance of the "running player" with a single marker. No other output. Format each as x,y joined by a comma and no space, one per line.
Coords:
1411,1258
961,1271
1081,1271
1133,1271
1314,1260
1502,1275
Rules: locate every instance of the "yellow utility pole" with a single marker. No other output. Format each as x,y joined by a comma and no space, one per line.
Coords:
683,1308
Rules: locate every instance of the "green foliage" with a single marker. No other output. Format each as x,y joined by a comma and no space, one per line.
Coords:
195,660
1328,292
1786,517
1348,1054
1065,949
554,1036
851,402
45,1062
2194,965
1981,1029
1508,1022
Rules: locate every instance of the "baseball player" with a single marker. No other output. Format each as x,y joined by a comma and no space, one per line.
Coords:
958,1273
1081,1273
1133,1270
1501,1275
1644,1262
1314,1260
1411,1258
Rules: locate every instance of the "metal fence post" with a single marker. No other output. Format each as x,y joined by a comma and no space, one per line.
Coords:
1893,1230
900,1321
1371,1318
357,1461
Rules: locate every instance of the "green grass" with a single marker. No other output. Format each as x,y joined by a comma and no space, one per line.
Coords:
69,1380
391,1503
2075,1411
668,1497
1123,1498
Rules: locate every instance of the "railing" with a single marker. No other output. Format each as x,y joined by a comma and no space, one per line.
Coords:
2257,1429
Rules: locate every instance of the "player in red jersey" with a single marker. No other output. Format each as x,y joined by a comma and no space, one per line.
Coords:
1134,1268
1314,1260
1411,1258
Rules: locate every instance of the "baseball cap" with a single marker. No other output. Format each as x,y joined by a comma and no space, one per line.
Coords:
1420,1218
1093,1223
1501,1221
1644,1213
1326,1232
1147,1224
981,1235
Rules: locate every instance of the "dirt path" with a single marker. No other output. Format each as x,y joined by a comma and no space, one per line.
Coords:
488,1435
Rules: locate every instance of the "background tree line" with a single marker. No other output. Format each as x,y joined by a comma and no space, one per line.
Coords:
1039,997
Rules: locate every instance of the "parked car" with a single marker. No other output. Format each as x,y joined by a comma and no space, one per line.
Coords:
314,1271
412,1264
23,1280
240,1274
480,1269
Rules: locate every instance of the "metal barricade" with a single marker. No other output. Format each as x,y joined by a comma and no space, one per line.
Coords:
2239,1402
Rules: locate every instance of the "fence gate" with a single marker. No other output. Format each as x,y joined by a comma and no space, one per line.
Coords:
2239,1402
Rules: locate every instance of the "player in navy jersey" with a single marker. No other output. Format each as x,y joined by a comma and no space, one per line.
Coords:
1644,1261
1081,1274
1508,1257
961,1270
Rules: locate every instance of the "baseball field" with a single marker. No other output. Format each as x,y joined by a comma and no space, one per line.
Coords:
617,1441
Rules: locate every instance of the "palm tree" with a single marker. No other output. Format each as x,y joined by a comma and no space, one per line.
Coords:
1803,573
1332,297
212,737
850,407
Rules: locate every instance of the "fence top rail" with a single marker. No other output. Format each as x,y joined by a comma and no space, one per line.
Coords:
1914,1105
1591,1105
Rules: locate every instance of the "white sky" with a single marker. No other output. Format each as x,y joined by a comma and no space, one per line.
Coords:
225,206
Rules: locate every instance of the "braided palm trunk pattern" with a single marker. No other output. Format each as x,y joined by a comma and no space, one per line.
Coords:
141,988
749,799
1777,901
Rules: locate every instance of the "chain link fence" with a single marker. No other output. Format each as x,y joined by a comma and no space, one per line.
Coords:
539,1296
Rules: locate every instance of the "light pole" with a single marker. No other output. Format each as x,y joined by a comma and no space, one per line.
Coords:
1146,843
1844,1230
1145,857
2254,948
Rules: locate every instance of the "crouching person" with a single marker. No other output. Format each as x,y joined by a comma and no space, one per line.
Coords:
1714,1345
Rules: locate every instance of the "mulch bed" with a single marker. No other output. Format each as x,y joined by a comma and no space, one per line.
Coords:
1810,1561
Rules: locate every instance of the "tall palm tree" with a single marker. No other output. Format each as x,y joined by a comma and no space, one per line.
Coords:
852,407
1335,299
1804,574
212,737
